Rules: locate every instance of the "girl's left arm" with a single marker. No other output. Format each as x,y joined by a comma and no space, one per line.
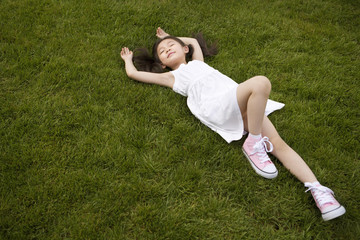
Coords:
197,54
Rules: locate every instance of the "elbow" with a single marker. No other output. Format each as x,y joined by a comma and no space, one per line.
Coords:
131,74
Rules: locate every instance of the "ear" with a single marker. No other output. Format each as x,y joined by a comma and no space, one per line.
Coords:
163,66
186,49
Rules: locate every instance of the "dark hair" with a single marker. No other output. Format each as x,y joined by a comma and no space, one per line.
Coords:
144,61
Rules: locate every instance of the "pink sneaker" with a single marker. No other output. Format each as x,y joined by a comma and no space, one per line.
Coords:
255,151
325,201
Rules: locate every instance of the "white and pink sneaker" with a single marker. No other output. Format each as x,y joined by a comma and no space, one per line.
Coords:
255,151
325,201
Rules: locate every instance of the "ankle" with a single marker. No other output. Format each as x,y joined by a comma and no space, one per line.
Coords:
255,136
313,183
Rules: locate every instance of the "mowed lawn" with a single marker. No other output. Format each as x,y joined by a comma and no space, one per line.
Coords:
87,153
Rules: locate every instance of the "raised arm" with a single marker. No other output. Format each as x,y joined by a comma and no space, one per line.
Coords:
164,79
197,55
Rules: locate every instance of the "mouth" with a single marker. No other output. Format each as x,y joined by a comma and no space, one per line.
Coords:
170,54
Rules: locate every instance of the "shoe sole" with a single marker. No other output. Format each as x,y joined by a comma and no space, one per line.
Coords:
259,171
334,213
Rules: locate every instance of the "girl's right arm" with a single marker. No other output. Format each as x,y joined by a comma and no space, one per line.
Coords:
166,79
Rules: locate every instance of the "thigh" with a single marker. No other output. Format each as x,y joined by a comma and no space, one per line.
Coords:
245,89
243,93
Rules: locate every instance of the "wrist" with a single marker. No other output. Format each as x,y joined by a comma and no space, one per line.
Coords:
128,60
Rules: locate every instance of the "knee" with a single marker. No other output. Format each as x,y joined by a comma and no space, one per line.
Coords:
263,84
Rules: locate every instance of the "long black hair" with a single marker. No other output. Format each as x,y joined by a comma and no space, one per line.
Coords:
144,61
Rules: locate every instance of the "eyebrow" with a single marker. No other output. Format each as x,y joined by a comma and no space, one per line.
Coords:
171,41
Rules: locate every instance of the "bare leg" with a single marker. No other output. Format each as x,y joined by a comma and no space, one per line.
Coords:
286,155
323,196
252,96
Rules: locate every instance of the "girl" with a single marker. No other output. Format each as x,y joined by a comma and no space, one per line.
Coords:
226,107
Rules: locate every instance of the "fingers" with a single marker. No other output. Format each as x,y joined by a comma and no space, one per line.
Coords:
161,33
125,51
158,32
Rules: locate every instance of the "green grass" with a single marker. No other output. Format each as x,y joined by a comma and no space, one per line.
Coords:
87,153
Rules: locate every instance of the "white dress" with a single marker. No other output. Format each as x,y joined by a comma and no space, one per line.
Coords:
211,97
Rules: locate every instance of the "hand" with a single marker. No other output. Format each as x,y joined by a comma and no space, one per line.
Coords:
126,54
161,33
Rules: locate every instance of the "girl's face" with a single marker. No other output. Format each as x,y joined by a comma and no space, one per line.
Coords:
171,53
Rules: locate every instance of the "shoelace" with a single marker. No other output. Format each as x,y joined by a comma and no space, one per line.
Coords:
261,149
322,194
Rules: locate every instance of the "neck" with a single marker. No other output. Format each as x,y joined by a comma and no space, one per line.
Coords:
177,64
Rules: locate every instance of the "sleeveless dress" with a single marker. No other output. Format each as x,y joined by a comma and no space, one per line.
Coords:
211,97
